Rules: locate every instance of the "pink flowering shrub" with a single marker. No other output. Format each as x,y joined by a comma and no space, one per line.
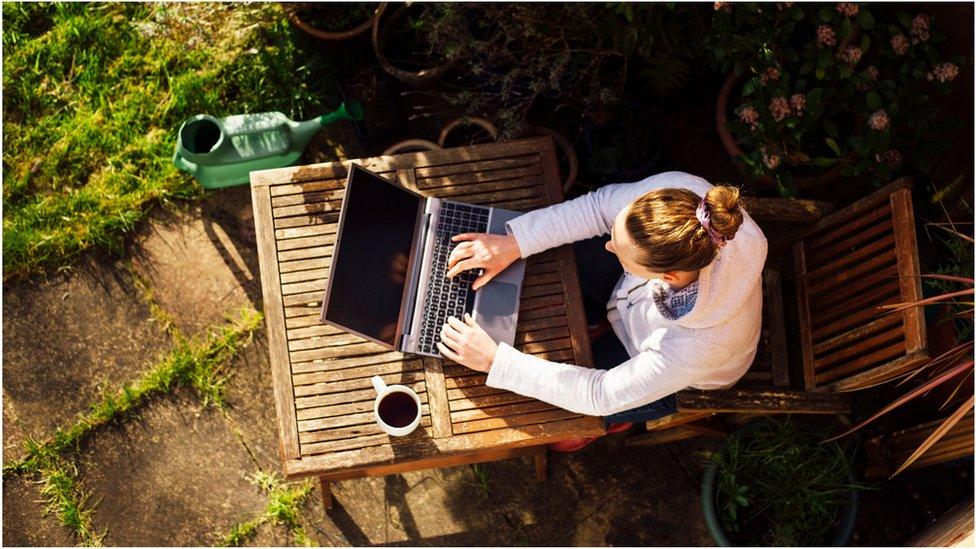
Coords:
831,84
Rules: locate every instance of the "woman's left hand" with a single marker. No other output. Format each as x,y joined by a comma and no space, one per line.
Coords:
467,344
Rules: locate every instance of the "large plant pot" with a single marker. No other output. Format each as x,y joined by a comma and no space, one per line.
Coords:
710,509
827,177
420,79
591,142
298,19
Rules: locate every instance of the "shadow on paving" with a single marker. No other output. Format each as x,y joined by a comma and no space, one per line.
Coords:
176,475
24,521
607,494
202,262
65,339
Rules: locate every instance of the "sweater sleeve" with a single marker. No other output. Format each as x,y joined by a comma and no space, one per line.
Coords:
559,224
644,378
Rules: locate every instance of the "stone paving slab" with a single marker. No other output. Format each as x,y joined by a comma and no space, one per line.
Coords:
24,521
176,475
250,403
606,494
66,338
271,535
202,262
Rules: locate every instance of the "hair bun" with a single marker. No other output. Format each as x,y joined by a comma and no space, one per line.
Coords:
724,210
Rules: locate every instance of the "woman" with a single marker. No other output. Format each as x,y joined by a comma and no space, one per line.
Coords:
687,309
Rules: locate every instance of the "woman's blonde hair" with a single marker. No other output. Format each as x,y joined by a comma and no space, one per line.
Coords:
668,234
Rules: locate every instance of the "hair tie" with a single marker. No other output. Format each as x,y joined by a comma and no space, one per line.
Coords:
705,218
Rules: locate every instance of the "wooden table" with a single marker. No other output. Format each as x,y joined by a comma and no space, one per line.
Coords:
321,375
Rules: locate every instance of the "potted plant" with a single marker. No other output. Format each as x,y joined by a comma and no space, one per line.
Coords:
820,91
624,145
775,483
407,41
332,22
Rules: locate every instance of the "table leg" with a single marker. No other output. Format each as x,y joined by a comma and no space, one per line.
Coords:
326,487
541,463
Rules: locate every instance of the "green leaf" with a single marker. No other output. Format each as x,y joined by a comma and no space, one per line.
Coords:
821,73
833,146
750,86
874,100
815,97
823,162
905,19
831,129
845,29
787,30
865,19
741,501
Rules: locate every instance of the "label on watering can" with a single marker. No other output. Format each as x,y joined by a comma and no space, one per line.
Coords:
256,135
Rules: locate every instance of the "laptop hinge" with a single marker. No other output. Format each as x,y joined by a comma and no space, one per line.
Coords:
409,304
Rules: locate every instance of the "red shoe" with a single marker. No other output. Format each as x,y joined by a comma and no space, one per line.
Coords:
576,444
571,445
619,427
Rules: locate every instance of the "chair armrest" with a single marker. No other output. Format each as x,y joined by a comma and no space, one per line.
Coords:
763,401
787,209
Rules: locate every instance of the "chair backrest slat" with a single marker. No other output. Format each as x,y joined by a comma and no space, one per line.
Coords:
847,266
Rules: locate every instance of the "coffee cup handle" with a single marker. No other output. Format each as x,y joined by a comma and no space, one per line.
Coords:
378,384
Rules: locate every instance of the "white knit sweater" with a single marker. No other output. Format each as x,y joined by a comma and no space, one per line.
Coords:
710,347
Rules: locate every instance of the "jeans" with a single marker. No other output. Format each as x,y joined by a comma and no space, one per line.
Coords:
599,271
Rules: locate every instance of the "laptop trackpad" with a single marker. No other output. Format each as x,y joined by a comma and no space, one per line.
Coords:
497,306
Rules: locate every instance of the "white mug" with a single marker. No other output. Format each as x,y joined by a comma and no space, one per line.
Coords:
382,392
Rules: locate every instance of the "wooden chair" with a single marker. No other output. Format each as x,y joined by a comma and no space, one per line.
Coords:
842,268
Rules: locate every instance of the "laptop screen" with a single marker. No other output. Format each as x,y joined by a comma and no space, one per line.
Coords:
369,270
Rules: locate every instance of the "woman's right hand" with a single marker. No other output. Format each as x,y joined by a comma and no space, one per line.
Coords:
490,252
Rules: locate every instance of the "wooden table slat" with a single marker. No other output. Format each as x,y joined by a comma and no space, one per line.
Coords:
327,389
343,421
350,369
366,392
479,165
514,421
352,407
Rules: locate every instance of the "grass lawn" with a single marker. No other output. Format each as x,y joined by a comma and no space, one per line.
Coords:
94,95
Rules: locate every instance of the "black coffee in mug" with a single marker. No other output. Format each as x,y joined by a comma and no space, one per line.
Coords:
398,409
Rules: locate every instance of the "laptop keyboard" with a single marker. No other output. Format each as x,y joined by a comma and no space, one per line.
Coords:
449,297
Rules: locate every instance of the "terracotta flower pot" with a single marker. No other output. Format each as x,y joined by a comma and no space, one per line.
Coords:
421,78
299,22
412,145
827,177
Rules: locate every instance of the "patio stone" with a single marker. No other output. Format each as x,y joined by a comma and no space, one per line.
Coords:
24,521
202,262
174,475
251,405
13,434
271,535
68,337
606,494
436,507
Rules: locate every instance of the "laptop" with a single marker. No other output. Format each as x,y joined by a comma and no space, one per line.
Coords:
387,279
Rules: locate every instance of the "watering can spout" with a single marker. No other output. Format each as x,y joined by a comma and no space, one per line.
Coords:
346,111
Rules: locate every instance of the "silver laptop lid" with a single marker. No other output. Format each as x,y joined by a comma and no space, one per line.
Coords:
372,259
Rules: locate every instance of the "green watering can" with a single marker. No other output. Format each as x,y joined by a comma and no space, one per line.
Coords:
222,152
